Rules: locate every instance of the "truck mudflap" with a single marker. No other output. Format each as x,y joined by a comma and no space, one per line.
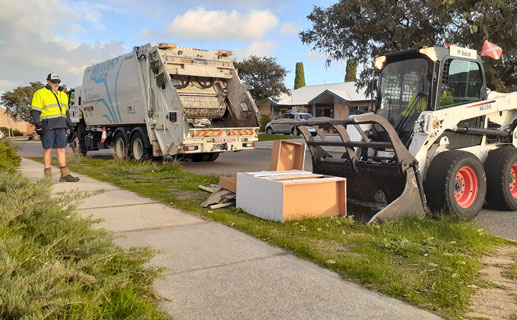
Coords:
383,180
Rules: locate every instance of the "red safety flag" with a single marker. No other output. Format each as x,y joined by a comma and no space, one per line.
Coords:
491,50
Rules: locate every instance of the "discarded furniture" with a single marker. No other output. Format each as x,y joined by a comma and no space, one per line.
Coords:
290,195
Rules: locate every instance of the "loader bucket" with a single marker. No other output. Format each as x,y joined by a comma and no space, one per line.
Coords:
383,181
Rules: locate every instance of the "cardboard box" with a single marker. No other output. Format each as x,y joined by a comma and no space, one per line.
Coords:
290,195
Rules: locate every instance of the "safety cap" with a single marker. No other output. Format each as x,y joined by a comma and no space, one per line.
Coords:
53,77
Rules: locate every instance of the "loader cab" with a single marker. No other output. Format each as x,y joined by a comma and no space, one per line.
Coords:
426,79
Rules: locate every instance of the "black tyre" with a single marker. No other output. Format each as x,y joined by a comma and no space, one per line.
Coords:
295,131
501,177
77,145
138,150
456,184
213,156
269,130
120,146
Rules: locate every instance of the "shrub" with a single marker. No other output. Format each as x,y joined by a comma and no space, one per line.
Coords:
264,119
14,132
8,157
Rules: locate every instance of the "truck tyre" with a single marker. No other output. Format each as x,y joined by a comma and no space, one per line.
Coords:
77,145
138,150
501,177
213,156
269,130
455,184
120,146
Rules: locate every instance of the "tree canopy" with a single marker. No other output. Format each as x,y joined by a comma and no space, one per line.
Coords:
264,74
364,29
18,101
299,77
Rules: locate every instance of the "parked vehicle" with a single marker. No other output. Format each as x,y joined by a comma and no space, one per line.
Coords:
164,100
286,123
439,141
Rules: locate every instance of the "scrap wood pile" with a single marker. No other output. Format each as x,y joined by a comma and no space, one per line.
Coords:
219,198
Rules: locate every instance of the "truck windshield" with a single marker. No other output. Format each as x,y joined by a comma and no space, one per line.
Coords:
401,97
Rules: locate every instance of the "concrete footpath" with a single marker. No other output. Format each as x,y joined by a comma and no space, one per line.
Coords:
216,272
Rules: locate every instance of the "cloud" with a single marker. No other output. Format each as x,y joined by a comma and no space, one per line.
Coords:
258,48
315,55
289,28
29,48
202,24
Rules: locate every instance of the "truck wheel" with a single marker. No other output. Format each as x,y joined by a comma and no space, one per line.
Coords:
269,130
213,156
456,184
138,150
120,149
78,148
501,177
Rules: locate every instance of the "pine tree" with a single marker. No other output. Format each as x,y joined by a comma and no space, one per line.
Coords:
299,79
351,70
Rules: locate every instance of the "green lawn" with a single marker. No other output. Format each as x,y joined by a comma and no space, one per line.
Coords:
432,263
269,137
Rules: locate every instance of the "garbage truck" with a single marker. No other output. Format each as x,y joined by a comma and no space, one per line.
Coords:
439,140
163,100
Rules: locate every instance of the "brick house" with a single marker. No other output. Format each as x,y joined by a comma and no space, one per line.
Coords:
6,120
335,100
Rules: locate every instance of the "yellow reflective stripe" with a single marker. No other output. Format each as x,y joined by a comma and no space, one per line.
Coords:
48,106
54,116
36,108
52,111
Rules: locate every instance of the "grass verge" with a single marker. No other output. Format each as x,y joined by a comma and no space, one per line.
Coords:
432,263
53,265
269,137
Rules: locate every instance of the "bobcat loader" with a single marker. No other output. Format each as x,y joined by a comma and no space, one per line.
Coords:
439,140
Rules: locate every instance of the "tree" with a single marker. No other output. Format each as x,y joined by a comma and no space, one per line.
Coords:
18,101
363,29
299,78
264,74
351,70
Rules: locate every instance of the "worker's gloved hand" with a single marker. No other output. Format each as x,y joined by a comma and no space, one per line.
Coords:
39,128
70,129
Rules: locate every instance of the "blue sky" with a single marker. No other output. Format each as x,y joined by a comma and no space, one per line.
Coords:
64,36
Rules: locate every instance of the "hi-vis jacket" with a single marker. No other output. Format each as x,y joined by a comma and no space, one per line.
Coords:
51,108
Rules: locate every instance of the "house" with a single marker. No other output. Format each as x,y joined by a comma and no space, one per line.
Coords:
335,100
6,121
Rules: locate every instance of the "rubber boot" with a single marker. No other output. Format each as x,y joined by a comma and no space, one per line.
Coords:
47,173
66,176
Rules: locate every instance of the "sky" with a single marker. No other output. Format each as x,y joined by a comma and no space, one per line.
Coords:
64,36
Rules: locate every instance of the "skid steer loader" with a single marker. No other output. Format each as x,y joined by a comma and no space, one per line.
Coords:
439,140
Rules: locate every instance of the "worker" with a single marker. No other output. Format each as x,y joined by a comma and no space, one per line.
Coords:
51,118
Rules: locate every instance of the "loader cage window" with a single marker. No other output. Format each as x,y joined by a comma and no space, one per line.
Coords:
461,83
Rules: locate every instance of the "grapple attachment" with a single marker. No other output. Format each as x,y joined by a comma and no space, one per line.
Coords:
383,181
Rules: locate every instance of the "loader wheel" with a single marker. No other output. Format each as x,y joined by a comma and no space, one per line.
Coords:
501,178
121,146
138,150
456,184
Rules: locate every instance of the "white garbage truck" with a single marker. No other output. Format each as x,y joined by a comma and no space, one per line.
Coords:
163,100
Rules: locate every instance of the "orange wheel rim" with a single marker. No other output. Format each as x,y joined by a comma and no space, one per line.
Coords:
466,186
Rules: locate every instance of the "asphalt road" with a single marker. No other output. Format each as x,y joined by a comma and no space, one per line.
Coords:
501,223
